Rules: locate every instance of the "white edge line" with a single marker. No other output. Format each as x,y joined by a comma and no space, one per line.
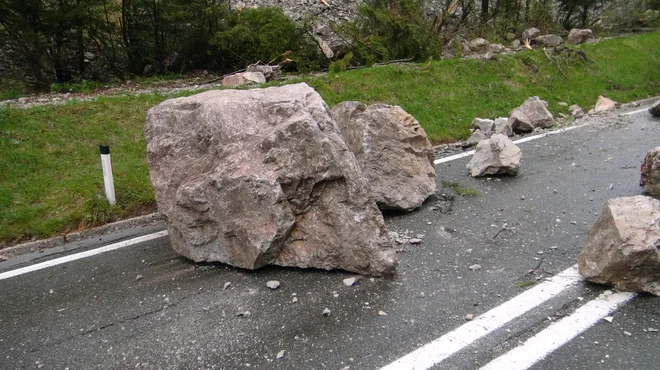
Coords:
635,112
447,345
519,141
77,256
556,335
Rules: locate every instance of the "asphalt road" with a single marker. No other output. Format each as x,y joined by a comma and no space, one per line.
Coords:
144,307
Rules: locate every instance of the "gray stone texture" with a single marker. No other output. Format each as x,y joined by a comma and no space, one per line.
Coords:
263,176
393,152
650,172
495,156
579,36
530,115
623,247
549,40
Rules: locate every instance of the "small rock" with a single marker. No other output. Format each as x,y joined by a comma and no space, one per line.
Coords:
603,104
608,318
576,111
655,109
650,172
539,252
495,156
485,125
577,36
531,33
280,354
139,277
273,284
469,317
51,291
475,267
515,44
326,312
549,40
349,281
627,333
415,241
244,314
294,300
227,284
3,257
652,330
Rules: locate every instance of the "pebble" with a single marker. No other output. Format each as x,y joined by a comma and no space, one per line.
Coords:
540,252
469,317
475,267
350,281
608,318
415,241
294,300
627,333
382,313
227,284
326,312
273,284
244,314
652,330
280,354
139,277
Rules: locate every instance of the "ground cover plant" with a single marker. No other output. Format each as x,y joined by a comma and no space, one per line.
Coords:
50,177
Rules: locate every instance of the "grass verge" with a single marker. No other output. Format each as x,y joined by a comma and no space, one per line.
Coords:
50,177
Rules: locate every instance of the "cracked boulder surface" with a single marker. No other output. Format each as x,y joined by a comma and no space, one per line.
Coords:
623,247
495,156
263,176
393,152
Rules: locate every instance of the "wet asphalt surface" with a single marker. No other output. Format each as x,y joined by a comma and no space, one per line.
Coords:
145,307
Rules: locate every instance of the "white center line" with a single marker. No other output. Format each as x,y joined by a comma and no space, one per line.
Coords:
447,345
77,256
519,141
556,335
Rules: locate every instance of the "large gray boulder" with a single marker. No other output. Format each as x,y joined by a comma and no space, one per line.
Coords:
623,247
650,171
393,152
530,115
495,156
549,40
263,176
579,36
655,109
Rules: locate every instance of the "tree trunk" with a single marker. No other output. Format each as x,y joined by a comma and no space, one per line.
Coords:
484,11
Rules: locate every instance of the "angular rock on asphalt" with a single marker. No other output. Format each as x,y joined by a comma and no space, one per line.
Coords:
655,109
393,152
495,156
603,104
475,138
485,125
650,172
531,114
623,247
579,36
263,176
503,126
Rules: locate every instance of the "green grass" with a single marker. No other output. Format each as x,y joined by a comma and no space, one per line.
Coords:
461,190
50,177
525,284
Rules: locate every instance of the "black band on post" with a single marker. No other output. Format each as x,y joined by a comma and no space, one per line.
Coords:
105,149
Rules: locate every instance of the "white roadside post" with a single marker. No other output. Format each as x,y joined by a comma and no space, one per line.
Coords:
106,165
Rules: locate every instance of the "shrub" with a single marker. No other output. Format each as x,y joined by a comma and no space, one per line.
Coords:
263,34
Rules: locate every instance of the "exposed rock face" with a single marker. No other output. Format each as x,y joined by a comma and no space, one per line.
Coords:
577,36
576,111
655,109
623,247
650,170
263,176
495,156
531,34
603,104
393,152
245,78
530,115
549,40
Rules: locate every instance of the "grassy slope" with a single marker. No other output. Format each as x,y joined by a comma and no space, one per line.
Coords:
50,178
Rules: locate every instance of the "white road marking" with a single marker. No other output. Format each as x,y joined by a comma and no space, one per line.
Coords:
447,345
77,256
519,141
556,335
634,112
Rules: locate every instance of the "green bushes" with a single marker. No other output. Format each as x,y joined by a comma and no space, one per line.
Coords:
391,29
264,34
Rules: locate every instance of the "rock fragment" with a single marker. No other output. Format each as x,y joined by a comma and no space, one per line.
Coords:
326,312
475,267
495,156
280,354
655,109
576,111
263,176
245,78
273,284
623,247
650,172
479,44
503,126
393,152
485,125
532,113
603,104
531,33
349,281
549,40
